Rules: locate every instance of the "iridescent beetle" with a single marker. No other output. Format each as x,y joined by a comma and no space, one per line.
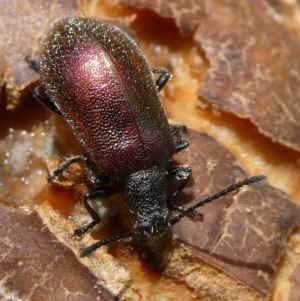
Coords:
95,76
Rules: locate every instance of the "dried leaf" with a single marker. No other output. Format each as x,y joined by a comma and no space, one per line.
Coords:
253,73
22,24
245,235
36,266
187,14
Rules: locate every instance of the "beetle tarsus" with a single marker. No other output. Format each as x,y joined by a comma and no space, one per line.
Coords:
81,231
96,193
56,174
86,251
163,79
78,233
181,145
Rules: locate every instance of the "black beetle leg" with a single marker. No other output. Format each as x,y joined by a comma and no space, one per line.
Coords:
56,174
163,79
99,192
180,144
86,251
183,173
40,94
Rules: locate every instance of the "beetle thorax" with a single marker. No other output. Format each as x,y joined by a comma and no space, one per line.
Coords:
146,197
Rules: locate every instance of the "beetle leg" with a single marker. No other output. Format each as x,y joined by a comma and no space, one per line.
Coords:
163,79
99,192
56,174
184,173
40,94
180,145
86,251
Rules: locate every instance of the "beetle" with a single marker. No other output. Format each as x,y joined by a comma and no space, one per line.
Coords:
95,76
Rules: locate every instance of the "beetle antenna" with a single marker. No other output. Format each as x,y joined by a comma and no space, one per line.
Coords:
224,192
86,251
